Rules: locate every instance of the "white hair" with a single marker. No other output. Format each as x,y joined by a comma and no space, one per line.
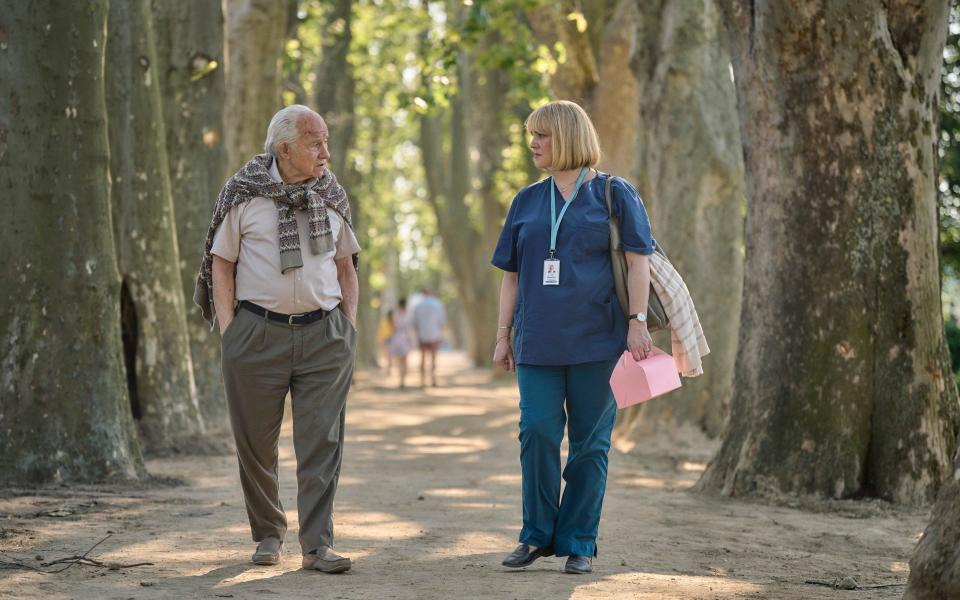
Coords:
283,127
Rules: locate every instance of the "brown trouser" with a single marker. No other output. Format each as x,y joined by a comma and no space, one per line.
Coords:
262,360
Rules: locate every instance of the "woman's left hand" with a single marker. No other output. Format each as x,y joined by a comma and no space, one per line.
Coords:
639,342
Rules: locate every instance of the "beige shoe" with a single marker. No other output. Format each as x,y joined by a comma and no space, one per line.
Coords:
326,561
268,552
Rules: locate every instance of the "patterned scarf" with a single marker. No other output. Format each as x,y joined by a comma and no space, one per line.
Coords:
254,181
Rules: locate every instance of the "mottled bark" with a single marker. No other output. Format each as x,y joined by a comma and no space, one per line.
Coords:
334,97
617,93
692,184
254,37
594,71
842,384
189,45
577,71
935,565
64,410
157,349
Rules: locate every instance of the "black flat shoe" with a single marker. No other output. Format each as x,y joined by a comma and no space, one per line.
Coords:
578,564
522,556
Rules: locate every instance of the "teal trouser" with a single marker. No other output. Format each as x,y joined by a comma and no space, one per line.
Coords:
551,396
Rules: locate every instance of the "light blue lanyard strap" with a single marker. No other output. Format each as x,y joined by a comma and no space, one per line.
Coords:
554,220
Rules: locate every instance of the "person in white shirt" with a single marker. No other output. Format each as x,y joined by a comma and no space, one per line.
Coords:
429,319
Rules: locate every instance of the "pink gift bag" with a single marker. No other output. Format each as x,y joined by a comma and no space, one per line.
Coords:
635,382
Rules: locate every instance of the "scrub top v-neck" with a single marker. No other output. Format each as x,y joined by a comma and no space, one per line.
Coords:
578,320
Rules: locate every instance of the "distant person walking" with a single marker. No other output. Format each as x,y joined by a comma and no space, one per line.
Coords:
429,319
401,342
558,299
279,274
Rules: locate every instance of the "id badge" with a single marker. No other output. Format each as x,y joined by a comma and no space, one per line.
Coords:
551,271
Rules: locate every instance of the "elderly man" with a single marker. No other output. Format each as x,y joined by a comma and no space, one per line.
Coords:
286,316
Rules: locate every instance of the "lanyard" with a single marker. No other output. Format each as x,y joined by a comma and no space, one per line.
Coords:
554,220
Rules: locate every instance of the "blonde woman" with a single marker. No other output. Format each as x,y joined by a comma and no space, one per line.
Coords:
558,301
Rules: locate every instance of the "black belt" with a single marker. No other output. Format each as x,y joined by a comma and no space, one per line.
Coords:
301,319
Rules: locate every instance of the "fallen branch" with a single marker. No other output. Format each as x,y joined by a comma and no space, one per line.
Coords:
838,584
90,562
77,558
69,561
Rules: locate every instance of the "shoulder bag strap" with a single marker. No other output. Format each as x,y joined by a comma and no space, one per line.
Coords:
614,221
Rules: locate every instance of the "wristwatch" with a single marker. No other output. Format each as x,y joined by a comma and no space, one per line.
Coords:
642,317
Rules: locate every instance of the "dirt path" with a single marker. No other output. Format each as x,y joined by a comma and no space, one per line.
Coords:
429,504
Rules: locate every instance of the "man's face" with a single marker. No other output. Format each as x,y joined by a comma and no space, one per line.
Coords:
307,156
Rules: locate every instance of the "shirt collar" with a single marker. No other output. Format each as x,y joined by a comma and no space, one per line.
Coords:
275,174
274,171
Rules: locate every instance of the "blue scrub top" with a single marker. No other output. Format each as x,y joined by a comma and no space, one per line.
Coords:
579,320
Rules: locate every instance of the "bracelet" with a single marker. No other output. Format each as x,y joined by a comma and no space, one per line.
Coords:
505,327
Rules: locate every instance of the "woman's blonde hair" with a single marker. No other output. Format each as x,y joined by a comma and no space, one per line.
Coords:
574,138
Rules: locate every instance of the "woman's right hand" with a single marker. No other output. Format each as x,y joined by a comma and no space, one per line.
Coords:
503,355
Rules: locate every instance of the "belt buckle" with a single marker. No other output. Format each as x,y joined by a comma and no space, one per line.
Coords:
290,318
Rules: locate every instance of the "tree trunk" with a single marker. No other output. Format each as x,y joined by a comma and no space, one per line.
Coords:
842,384
335,92
448,177
335,87
692,183
577,72
292,63
189,45
153,322
65,411
486,107
935,565
594,71
254,37
617,92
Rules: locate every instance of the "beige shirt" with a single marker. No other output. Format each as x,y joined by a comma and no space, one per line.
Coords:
248,237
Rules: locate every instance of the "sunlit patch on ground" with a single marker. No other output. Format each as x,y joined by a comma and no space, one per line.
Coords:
384,418
254,574
457,492
372,525
432,444
654,482
476,543
900,567
364,438
505,479
656,585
